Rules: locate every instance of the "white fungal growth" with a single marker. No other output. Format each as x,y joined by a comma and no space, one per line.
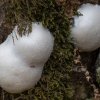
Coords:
22,60
86,30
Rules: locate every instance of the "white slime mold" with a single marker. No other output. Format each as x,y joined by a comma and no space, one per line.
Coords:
22,60
86,30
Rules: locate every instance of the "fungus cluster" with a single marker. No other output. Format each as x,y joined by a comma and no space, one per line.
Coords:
86,29
22,59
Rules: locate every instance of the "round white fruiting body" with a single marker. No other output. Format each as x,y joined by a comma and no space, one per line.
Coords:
22,60
86,29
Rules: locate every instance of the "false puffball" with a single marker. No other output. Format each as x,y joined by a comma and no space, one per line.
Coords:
86,29
22,58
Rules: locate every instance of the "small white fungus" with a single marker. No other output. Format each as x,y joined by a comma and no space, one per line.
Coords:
86,30
22,60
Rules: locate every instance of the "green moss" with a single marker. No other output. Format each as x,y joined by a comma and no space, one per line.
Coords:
90,99
97,65
55,83
98,75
